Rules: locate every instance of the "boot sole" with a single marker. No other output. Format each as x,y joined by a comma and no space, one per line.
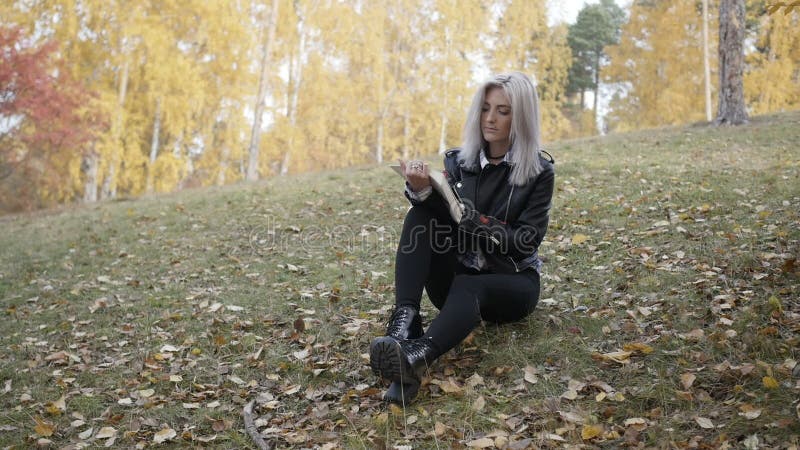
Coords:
401,394
387,361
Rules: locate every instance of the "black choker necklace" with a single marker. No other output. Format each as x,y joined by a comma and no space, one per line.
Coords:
497,157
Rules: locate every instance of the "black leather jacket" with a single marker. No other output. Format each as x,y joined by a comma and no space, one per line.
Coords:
516,223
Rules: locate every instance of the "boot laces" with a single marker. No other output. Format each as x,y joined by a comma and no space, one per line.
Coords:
400,320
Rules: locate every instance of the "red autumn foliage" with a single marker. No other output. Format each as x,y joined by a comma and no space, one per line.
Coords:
41,123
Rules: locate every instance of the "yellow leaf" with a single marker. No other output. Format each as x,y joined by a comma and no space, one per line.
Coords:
687,379
770,383
396,410
591,431
638,347
43,428
578,239
618,357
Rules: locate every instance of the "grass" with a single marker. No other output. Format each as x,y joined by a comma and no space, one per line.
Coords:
678,245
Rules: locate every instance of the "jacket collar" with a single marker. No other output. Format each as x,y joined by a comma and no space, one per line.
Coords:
484,160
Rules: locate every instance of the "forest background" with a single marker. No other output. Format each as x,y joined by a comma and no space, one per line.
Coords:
111,99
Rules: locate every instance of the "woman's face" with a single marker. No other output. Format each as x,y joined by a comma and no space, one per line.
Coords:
496,118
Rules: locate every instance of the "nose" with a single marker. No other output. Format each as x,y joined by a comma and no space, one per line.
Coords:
490,116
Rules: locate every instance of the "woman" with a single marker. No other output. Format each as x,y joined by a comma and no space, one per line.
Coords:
486,267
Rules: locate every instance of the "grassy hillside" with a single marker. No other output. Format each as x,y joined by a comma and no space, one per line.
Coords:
669,317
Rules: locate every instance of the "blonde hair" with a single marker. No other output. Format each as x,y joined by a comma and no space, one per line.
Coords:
525,124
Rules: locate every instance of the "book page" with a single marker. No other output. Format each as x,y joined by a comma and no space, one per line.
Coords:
439,182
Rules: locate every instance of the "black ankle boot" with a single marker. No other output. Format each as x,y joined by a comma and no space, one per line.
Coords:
402,361
405,323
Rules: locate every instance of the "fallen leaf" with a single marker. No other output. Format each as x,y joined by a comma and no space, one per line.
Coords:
299,325
478,404
749,411
621,357
439,429
704,422
695,335
164,435
570,394
57,407
481,443
106,432
591,431
302,354
86,434
146,393
578,239
571,417
635,421
530,375
687,379
770,383
221,425
43,428
639,347
450,386
474,380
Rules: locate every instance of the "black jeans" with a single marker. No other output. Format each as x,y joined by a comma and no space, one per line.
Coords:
426,257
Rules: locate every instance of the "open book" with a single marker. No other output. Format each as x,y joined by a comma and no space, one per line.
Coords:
440,184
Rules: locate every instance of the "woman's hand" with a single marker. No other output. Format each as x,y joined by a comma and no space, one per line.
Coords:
416,173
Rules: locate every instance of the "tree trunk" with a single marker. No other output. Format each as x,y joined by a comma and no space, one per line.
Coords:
90,163
596,81
406,132
706,64
255,136
223,165
110,182
443,132
298,78
731,63
379,145
153,147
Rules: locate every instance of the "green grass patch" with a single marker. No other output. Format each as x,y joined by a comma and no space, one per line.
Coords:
669,302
